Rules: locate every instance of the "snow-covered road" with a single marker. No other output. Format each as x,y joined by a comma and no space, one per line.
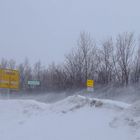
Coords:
73,118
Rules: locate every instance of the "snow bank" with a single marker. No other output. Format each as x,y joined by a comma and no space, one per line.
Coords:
15,109
71,103
76,102
134,109
74,118
130,117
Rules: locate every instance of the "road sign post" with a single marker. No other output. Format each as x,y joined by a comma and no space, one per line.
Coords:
33,84
9,79
90,85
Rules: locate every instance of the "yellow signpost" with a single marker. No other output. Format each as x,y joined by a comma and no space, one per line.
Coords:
90,85
9,79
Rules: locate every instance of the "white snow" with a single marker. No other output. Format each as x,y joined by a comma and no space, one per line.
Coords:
74,118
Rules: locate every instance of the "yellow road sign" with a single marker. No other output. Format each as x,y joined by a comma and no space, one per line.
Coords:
9,78
90,83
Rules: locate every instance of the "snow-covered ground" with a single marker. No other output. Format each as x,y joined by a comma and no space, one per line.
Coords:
73,118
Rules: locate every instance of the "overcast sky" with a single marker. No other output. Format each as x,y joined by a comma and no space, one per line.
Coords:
47,29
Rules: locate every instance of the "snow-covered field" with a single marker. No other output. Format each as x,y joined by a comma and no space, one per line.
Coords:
74,118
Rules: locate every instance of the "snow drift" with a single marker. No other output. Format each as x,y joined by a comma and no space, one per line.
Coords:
74,118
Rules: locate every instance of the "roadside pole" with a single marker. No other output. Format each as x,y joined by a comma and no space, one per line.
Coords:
8,94
90,87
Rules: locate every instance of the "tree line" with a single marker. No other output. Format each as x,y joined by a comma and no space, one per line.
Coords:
112,61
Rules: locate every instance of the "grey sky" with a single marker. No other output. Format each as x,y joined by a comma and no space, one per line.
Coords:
47,29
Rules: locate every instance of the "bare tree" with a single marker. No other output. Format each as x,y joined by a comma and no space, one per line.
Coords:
37,70
106,64
12,64
27,73
124,49
82,62
135,74
86,45
4,63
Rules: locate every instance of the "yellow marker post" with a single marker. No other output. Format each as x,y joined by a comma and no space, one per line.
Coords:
90,85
